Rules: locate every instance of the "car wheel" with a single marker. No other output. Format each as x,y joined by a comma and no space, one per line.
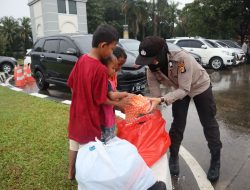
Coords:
40,81
216,63
7,67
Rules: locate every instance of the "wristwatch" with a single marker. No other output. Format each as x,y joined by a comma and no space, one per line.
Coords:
162,100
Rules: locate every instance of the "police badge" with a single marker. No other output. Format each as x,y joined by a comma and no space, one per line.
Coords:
181,67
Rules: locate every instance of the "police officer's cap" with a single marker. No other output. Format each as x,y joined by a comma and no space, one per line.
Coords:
149,48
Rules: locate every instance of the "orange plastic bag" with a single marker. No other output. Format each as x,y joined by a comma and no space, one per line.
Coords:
148,134
138,105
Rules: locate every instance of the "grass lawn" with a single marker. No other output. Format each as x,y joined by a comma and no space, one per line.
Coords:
33,143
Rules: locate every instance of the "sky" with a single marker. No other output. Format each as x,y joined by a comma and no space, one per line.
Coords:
15,8
20,8
181,2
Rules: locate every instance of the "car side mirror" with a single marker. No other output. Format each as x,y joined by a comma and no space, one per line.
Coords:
71,51
204,47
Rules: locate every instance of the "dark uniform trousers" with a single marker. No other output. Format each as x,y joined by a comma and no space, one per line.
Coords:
206,109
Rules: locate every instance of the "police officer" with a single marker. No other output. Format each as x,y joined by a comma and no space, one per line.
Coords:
180,70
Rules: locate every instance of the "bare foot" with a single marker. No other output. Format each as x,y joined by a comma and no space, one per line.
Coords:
71,175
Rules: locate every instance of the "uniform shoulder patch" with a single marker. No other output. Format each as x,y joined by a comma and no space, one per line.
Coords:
181,67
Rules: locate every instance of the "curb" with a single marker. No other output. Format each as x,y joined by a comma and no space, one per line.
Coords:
5,83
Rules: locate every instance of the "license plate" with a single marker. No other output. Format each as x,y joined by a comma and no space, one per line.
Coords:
138,87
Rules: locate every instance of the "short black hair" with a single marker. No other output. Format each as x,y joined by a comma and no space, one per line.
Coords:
119,52
104,33
107,60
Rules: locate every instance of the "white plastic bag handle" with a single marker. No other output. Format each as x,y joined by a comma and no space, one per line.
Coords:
103,153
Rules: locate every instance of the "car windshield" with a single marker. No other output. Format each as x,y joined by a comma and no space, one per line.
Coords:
170,41
130,45
222,44
84,42
232,44
212,44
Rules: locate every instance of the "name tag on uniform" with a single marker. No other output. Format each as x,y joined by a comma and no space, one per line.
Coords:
181,67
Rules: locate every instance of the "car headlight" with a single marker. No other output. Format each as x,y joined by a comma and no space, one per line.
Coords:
13,59
225,52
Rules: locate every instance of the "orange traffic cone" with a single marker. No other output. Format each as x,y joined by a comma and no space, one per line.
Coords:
20,78
29,77
15,72
25,67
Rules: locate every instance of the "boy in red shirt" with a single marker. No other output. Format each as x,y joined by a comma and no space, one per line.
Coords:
88,82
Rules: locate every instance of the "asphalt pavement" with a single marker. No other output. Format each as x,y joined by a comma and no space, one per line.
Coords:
231,88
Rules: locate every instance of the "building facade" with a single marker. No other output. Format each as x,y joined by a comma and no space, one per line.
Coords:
50,17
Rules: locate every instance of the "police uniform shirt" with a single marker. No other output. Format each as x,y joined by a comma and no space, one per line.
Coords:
184,74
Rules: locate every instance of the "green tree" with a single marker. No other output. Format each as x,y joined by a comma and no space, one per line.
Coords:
15,36
162,18
95,14
113,14
2,44
128,8
9,29
216,18
169,20
136,13
25,32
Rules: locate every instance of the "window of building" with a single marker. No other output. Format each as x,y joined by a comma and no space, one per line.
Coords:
67,6
61,6
72,7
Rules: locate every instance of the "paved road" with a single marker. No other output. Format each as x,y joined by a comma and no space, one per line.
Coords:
232,93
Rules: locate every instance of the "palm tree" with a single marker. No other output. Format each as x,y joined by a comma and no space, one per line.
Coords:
25,32
141,16
2,44
9,28
136,14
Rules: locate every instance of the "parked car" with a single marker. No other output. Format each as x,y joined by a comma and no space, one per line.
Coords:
236,46
130,45
238,53
231,43
130,71
174,47
53,58
27,58
7,64
211,55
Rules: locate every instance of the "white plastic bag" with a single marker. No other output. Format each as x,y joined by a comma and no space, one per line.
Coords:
114,166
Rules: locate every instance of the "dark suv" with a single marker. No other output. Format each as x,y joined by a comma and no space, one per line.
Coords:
53,58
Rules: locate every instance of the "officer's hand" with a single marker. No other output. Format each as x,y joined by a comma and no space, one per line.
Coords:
154,103
124,102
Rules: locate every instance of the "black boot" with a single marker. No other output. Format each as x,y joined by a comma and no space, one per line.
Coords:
174,165
214,169
159,185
